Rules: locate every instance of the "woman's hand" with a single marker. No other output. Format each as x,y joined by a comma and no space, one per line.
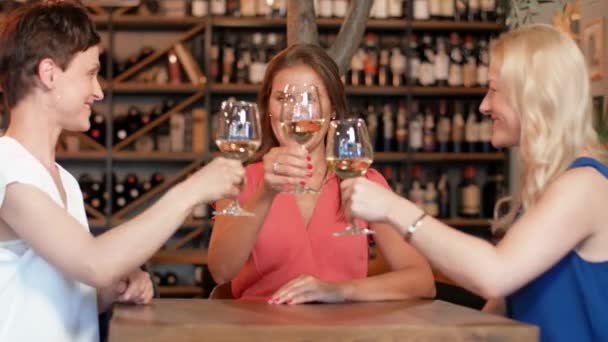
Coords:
367,200
286,165
221,178
139,288
305,289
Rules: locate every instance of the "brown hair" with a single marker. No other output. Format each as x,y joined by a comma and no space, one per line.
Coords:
300,54
31,33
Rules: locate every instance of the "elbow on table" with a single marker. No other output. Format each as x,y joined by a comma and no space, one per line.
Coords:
220,272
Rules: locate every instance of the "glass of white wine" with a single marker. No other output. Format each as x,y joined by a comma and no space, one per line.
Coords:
349,154
301,118
238,136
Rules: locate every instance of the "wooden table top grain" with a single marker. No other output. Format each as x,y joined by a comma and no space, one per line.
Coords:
233,320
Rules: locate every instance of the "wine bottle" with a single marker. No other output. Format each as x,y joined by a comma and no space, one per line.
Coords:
98,128
416,193
443,189
455,73
457,127
431,205
170,279
388,128
413,56
469,72
427,62
483,63
421,10
469,194
372,126
471,130
401,135
485,134
398,64
444,127
416,128
370,63
493,190
383,68
428,140
442,63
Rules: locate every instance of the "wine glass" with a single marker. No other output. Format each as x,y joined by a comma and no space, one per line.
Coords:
301,118
238,136
349,154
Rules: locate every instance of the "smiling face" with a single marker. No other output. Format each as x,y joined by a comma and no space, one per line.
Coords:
75,90
298,74
506,128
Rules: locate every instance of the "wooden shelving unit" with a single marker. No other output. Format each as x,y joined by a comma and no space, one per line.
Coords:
181,256
150,88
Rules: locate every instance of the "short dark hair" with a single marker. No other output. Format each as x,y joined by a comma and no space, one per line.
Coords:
31,33
318,60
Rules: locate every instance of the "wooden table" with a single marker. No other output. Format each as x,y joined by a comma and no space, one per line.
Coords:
231,320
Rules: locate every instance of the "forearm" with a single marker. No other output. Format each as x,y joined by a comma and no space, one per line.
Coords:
471,262
234,237
407,283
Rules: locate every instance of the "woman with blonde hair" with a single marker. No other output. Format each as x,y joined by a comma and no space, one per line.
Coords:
552,264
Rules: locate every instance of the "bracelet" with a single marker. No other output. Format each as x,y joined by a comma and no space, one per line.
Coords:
414,226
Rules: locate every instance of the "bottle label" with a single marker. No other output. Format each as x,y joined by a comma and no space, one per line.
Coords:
435,7
427,74
421,10
470,72
414,69
482,75
340,8
443,129
218,7
389,128
470,200
442,63
447,9
455,75
199,8
415,134
325,8
471,133
395,8
432,208
248,8
488,5
457,128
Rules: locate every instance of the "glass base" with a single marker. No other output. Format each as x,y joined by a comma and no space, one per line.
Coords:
233,210
354,231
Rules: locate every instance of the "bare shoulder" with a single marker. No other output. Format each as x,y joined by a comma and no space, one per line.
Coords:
582,181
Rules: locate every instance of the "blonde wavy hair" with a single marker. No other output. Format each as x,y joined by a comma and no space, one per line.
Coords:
546,81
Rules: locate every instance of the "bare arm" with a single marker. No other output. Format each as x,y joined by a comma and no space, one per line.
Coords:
558,223
102,261
410,275
234,237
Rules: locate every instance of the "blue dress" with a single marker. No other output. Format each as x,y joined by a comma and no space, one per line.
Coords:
569,302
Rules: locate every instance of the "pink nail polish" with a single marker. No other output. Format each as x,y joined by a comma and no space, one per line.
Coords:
308,158
289,301
309,166
309,174
302,183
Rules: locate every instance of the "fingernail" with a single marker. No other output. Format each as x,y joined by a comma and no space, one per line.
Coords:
302,183
309,166
308,158
289,301
309,174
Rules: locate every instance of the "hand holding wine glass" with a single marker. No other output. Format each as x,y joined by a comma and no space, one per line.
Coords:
238,136
302,117
349,154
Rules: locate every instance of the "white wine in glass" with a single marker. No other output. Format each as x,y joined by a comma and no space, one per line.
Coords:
349,154
301,118
238,136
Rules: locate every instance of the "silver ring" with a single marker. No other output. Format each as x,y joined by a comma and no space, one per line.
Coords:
275,166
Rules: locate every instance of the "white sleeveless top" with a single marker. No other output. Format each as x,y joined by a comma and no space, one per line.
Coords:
38,302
